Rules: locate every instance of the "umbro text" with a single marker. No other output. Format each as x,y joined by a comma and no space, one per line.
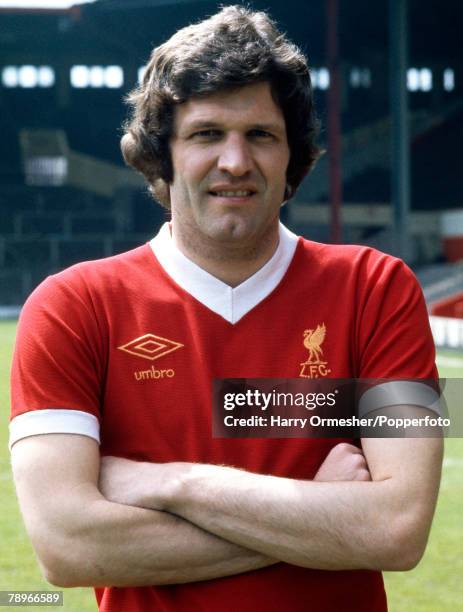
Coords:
154,374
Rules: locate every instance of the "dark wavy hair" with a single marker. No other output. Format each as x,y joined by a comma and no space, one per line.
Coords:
233,48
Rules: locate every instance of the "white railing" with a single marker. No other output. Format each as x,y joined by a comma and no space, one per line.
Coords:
447,332
9,312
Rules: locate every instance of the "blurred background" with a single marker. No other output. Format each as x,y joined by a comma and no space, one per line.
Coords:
388,79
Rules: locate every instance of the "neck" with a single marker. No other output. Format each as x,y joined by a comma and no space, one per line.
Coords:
230,263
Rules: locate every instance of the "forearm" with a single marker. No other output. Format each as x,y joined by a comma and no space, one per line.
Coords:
311,524
118,545
81,538
380,524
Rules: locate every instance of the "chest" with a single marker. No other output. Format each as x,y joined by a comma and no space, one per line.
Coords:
157,401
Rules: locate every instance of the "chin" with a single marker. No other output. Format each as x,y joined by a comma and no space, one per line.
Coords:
231,230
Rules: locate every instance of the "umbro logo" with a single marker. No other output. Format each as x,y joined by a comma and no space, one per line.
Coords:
150,347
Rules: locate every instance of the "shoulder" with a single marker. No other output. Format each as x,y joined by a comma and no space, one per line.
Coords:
85,279
87,290
351,260
347,254
114,268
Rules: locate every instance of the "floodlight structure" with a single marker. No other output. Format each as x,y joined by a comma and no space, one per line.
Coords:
400,167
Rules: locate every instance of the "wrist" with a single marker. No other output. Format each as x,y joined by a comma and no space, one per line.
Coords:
187,484
168,483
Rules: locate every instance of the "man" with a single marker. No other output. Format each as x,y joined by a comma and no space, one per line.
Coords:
122,352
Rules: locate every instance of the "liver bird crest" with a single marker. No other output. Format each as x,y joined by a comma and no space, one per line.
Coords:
313,339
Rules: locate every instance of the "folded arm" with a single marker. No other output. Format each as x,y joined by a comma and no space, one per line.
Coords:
81,539
382,524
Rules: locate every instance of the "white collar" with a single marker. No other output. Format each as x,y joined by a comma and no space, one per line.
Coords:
231,303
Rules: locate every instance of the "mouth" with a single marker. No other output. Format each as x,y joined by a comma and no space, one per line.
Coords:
233,194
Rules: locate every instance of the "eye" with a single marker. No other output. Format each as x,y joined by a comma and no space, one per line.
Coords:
209,134
260,134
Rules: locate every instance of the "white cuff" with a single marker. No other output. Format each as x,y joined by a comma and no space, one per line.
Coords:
56,420
399,393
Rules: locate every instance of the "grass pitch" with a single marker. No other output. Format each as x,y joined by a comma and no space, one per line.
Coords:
19,570
434,586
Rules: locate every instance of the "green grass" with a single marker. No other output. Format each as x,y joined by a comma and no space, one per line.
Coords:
436,585
18,566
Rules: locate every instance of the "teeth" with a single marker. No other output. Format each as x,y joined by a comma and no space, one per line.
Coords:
233,194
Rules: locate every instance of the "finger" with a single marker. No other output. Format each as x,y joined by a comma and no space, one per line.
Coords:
350,448
363,475
355,449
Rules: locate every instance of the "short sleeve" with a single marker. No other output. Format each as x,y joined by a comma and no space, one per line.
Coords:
395,339
58,366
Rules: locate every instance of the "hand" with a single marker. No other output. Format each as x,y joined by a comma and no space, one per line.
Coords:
344,462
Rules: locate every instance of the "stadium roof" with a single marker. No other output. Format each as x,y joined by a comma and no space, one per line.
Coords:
41,4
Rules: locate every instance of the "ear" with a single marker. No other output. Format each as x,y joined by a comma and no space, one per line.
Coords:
288,193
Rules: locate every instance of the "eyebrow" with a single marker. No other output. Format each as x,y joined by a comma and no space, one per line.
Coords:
206,124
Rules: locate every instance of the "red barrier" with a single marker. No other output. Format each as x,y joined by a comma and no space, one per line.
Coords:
449,307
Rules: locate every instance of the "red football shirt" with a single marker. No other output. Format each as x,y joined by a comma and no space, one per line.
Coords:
125,350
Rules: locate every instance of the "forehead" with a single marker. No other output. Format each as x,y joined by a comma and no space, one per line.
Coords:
246,105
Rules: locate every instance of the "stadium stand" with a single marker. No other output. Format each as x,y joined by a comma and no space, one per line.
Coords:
65,194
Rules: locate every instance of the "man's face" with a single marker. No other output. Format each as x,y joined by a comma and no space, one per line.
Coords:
230,155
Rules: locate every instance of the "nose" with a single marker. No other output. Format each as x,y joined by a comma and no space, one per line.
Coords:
235,156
